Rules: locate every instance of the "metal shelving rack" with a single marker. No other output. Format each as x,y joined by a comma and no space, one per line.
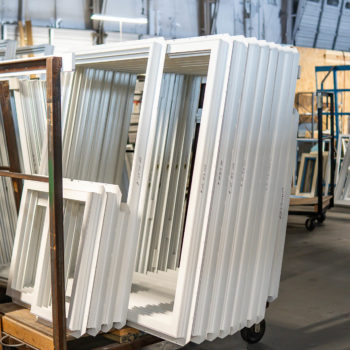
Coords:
333,71
305,112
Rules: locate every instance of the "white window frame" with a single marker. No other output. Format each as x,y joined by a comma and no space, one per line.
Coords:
175,325
22,240
300,175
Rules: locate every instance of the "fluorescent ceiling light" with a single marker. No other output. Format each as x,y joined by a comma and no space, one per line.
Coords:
136,20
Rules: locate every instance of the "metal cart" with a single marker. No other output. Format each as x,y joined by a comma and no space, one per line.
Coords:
318,206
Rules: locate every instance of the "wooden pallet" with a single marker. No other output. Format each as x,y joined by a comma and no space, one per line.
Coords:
307,204
19,323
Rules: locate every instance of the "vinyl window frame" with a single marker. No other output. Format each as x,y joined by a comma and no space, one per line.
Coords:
175,326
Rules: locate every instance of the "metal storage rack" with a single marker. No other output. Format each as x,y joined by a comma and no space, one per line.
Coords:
333,70
306,111
322,202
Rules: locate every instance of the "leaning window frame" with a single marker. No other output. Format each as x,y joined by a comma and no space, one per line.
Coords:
73,190
301,175
220,49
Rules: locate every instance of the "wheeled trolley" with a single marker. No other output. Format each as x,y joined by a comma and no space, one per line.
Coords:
315,208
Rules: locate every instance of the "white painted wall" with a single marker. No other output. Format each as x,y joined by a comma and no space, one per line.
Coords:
168,18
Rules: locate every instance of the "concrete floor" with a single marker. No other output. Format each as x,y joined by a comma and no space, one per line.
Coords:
313,308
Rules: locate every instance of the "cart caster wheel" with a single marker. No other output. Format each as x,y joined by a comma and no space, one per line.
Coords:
310,224
255,333
321,218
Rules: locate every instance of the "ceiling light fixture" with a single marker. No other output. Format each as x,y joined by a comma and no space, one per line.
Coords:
134,20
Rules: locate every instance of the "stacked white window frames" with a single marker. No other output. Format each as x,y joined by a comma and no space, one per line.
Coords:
155,302
82,252
170,317
204,209
29,113
89,209
104,92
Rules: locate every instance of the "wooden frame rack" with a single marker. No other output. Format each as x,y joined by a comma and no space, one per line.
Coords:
52,66
17,322
18,326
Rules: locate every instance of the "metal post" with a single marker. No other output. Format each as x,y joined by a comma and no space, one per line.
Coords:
53,70
312,116
336,112
10,136
332,150
320,156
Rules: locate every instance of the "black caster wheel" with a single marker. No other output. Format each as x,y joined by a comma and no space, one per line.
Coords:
321,218
255,333
310,224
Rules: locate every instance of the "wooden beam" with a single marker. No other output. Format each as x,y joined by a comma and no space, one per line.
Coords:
27,334
29,34
10,135
54,133
22,39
